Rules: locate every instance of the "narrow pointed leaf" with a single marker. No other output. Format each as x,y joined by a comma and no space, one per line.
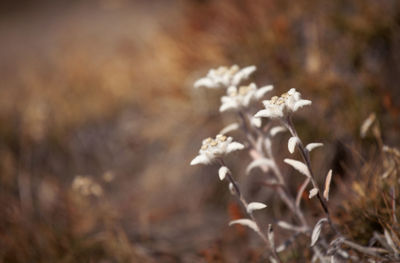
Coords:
232,189
263,163
231,127
271,235
299,166
389,240
286,225
255,206
275,130
293,141
245,222
312,146
222,172
367,124
317,231
313,192
327,185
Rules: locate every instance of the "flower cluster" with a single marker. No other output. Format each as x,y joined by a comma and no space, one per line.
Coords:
212,149
238,97
278,107
241,99
224,77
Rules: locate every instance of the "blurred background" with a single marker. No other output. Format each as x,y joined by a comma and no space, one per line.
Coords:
99,119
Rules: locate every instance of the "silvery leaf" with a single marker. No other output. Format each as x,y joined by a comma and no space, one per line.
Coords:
262,162
293,141
317,231
231,127
245,222
313,192
255,206
313,145
222,172
299,166
275,130
327,184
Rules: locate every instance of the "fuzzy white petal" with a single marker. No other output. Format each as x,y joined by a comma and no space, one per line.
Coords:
299,166
222,172
234,146
313,145
200,159
245,222
225,99
243,74
275,130
293,141
317,231
247,99
256,122
301,103
266,113
263,90
204,82
229,105
313,192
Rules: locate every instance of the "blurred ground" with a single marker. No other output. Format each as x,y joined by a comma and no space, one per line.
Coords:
103,89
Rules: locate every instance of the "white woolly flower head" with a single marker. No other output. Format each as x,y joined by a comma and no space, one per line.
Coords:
224,77
278,107
241,97
215,148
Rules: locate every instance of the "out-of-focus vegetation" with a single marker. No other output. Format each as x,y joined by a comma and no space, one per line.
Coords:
103,90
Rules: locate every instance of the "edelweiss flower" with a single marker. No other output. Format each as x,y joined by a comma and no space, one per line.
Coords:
237,98
278,107
214,148
225,77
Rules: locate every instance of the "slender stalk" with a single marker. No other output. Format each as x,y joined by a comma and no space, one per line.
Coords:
251,215
306,158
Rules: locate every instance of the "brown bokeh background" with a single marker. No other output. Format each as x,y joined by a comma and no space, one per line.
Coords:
103,89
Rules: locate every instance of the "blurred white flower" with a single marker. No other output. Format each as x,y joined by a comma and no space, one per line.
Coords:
224,77
241,97
215,148
278,107
86,186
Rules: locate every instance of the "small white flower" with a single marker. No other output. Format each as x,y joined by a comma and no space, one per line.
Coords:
241,97
224,77
214,148
278,107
